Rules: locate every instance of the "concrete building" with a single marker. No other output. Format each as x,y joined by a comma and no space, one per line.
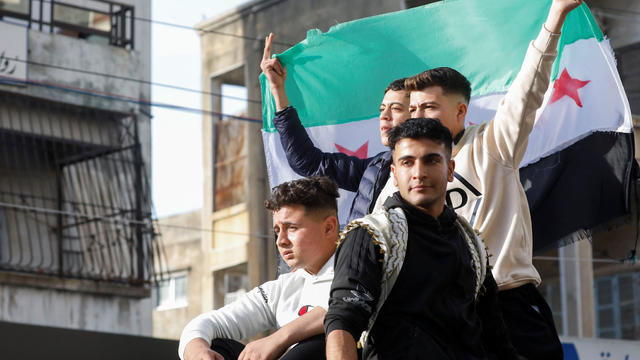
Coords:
76,240
177,298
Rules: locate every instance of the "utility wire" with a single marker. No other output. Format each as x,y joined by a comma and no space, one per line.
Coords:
181,88
262,236
124,78
110,96
147,82
192,28
185,27
124,221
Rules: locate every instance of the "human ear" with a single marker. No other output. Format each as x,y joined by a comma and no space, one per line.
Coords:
450,169
461,112
330,225
393,171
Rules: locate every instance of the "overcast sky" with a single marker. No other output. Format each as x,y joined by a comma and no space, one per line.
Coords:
176,135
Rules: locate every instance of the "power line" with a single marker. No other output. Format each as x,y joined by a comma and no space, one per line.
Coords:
146,82
262,236
185,27
123,221
183,227
123,98
192,28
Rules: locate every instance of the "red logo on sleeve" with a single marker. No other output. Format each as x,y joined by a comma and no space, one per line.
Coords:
303,310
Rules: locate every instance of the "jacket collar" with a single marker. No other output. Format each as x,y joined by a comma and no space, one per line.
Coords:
445,220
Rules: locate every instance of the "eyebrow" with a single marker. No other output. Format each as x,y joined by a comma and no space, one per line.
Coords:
286,223
428,102
406,157
433,155
422,157
392,103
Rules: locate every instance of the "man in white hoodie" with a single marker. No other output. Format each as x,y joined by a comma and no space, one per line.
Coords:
306,224
487,183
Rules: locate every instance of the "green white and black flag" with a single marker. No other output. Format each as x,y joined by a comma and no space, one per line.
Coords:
578,163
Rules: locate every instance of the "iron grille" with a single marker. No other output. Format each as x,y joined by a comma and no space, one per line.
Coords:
74,193
101,20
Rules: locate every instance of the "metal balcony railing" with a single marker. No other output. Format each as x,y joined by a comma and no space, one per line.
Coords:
74,194
98,20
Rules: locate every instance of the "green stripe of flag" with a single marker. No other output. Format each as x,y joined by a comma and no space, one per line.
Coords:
339,76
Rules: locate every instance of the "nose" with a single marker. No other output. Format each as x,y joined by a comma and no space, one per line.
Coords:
418,171
282,239
416,113
385,114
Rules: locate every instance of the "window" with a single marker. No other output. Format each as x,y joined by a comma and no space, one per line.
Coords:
172,293
229,284
618,306
235,285
16,6
98,21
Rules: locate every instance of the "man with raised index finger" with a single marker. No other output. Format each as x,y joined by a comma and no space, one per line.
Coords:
365,177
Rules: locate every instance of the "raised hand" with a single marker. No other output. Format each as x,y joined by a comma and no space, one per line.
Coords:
272,68
566,5
275,73
558,13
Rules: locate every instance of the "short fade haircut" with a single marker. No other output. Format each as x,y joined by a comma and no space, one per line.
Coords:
317,194
450,80
396,85
421,128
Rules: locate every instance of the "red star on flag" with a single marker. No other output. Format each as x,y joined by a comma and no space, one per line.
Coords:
566,85
361,153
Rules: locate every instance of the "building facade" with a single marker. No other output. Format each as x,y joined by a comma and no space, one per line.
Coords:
76,238
176,300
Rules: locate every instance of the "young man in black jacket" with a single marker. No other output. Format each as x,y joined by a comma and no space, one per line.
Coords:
414,277
366,177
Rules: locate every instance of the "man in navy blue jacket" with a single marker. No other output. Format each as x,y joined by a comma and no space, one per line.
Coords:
366,177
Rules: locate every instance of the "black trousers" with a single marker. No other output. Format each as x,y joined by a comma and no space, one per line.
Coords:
530,323
308,349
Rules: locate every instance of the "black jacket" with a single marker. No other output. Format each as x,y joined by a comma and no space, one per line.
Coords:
366,177
432,308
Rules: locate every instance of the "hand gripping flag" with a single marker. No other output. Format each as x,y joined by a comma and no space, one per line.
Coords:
578,166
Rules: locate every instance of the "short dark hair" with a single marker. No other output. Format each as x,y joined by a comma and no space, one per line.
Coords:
317,194
421,128
396,85
450,80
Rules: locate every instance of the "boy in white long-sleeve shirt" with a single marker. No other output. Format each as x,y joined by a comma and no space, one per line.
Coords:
306,224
